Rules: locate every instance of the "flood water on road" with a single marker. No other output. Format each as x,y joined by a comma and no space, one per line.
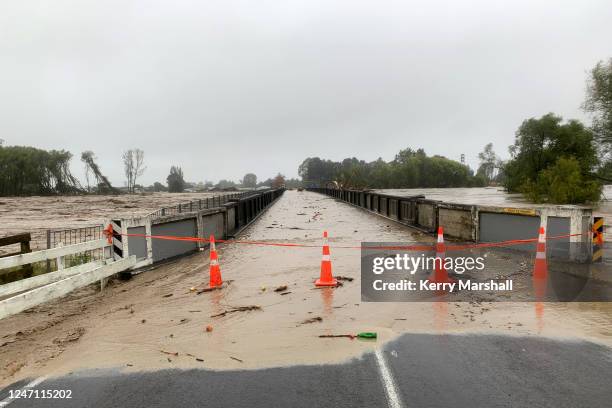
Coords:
135,324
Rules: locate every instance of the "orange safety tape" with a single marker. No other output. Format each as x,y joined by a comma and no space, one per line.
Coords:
397,248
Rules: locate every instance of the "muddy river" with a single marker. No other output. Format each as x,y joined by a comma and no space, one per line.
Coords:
156,321
38,214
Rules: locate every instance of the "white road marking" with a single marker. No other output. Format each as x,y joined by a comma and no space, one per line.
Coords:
31,384
388,381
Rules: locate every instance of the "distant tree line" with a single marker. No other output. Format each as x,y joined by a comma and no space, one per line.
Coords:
176,183
409,169
26,170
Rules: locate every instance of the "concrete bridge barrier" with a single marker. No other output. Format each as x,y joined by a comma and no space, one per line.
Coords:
481,223
222,218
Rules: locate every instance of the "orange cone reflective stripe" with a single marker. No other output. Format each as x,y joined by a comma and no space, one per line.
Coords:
440,275
540,266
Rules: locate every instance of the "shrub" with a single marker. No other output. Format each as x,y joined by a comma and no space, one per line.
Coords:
562,183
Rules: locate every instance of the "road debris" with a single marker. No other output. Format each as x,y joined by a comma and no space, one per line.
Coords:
72,335
362,335
209,328
237,359
344,278
170,353
201,360
7,342
205,290
333,336
238,309
337,285
281,288
126,307
312,320
168,295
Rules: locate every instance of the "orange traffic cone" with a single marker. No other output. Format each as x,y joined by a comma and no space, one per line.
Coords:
440,275
540,267
215,271
326,278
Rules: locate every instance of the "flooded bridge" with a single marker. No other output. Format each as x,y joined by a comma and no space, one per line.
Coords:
157,331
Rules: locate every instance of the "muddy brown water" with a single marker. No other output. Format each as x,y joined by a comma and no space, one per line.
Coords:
135,324
38,214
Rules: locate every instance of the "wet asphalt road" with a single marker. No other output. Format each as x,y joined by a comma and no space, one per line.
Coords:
425,370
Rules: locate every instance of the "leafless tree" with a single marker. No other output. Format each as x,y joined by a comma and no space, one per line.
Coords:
133,167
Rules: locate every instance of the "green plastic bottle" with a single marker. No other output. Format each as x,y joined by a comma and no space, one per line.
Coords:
367,335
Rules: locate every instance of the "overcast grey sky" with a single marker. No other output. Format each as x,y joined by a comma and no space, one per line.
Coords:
228,87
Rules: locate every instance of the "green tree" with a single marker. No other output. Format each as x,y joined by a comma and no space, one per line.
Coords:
103,185
175,180
599,103
563,183
29,171
157,187
539,144
316,171
409,169
223,184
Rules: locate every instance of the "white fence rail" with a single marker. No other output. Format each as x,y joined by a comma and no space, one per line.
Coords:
24,259
61,288
43,288
46,278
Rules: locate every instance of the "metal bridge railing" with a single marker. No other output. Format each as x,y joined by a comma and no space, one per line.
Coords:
200,204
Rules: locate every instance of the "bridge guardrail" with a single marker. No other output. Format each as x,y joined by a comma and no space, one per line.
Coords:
478,223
